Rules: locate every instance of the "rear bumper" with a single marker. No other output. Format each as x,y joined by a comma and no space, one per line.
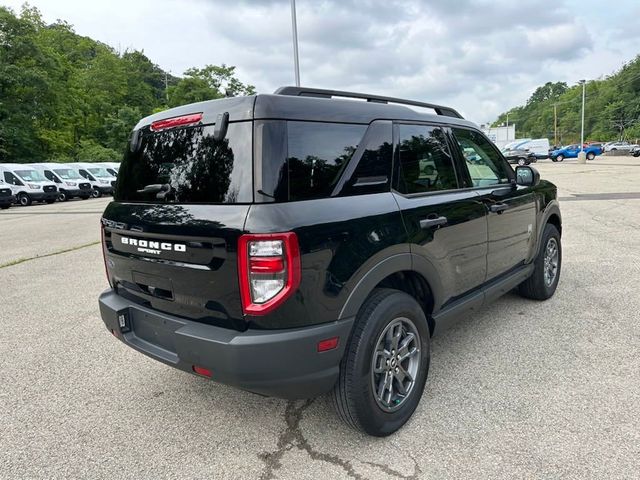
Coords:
279,363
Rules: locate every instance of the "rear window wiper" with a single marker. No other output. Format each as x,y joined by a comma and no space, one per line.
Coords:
156,188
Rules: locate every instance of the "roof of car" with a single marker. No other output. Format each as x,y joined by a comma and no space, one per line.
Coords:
16,166
288,106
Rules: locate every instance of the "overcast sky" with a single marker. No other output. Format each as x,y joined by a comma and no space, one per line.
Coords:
478,56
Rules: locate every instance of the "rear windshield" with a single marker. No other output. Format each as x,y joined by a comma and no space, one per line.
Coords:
188,165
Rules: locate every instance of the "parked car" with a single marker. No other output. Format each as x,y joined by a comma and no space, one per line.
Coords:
111,167
69,182
538,146
7,198
273,243
613,146
28,185
520,156
572,151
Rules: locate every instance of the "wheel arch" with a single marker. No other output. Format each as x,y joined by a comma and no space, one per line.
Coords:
406,272
551,215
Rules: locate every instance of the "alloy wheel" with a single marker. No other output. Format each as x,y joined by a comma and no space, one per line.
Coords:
395,364
551,260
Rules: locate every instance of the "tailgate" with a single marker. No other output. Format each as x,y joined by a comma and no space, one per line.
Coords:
178,259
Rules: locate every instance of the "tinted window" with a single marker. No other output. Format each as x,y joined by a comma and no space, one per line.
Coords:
187,165
483,161
425,162
372,174
11,178
51,176
317,155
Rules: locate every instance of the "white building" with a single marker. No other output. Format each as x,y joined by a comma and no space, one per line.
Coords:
500,135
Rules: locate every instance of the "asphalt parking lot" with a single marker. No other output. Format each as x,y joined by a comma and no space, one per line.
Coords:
520,390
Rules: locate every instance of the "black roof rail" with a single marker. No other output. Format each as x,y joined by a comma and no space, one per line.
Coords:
322,93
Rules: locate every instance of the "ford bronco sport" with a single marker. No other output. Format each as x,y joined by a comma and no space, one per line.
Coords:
303,242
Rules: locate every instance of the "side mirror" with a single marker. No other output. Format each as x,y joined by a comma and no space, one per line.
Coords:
527,176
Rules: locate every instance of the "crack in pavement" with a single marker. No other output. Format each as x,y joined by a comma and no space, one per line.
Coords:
66,250
292,437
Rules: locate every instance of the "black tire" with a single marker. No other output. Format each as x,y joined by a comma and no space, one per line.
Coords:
522,161
84,198
553,159
559,158
536,286
24,199
50,201
62,196
591,156
95,193
353,395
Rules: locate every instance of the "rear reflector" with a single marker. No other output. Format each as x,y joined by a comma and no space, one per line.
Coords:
176,122
202,371
328,344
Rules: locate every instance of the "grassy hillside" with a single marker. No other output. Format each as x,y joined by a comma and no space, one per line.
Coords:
612,109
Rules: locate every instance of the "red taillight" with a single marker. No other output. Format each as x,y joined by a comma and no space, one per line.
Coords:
104,254
328,344
268,269
176,122
266,264
201,371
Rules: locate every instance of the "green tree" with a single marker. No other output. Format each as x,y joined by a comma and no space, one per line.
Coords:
68,97
208,83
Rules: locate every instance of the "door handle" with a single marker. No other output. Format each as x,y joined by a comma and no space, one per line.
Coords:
433,222
498,207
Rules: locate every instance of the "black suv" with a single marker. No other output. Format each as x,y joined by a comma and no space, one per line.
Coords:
309,241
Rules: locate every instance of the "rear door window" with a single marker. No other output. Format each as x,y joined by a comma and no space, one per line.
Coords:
425,162
188,165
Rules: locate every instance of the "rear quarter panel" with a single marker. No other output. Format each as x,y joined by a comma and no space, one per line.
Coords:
340,240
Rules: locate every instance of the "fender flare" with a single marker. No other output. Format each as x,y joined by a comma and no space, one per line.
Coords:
393,264
552,208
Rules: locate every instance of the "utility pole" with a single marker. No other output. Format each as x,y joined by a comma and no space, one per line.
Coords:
294,28
555,124
582,158
166,86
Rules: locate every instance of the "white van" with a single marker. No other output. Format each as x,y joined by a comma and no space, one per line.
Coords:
69,182
99,186
28,184
538,146
111,167
105,181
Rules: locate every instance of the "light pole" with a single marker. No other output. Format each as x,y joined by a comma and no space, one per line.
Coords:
582,157
555,124
294,28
